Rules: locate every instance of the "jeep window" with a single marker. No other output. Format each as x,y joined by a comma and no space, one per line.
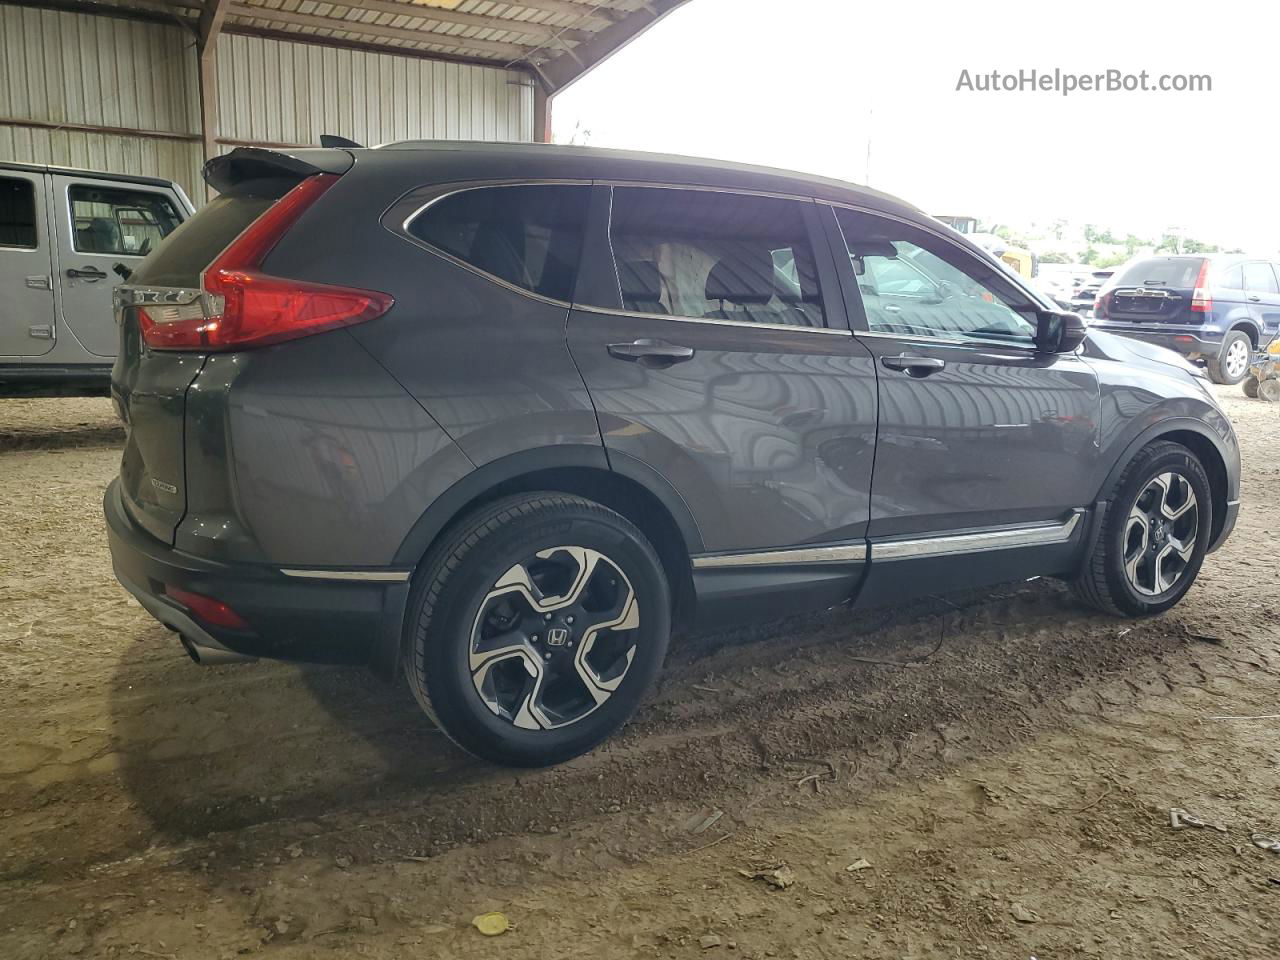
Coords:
1259,278
913,283
17,213
529,236
128,223
715,256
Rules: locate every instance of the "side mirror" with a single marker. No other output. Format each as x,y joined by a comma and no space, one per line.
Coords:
1059,331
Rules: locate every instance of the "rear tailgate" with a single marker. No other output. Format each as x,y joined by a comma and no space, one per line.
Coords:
150,386
1158,290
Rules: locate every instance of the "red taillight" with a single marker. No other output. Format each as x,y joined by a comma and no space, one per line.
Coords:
243,307
1202,299
209,610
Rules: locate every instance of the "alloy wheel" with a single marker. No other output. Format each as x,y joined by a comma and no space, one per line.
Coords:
1160,534
554,637
1237,358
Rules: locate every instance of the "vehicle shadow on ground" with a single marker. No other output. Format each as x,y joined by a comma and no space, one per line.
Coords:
221,749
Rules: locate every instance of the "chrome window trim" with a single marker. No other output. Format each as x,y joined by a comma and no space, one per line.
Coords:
748,324
951,341
843,553
364,576
980,541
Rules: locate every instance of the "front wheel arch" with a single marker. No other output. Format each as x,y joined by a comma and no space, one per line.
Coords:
1197,438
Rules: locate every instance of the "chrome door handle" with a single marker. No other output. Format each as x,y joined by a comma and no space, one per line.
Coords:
87,274
1253,299
891,308
913,366
651,353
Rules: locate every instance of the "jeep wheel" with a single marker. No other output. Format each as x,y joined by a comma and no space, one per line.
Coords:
1155,534
1232,362
536,627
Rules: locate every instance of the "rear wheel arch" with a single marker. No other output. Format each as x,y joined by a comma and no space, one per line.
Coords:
629,488
1249,329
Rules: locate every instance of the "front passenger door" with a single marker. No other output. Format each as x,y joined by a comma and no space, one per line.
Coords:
978,429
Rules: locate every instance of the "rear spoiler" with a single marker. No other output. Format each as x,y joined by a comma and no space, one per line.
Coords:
258,163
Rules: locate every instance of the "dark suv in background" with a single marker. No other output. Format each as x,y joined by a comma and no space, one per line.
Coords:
1218,309
500,416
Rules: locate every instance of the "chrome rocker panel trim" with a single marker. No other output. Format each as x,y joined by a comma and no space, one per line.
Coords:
974,541
980,541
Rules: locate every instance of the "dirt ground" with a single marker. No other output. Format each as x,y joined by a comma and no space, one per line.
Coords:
989,775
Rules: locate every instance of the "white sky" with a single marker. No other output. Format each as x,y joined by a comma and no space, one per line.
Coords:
801,84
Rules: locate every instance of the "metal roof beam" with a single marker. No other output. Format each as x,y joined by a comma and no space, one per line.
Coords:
563,70
211,17
540,32
479,47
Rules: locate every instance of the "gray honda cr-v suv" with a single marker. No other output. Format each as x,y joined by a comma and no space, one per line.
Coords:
500,416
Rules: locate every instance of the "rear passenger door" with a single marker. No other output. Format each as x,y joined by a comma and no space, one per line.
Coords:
102,223
26,290
978,429
1263,293
709,332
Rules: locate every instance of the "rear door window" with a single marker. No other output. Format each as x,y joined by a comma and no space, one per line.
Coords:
1259,278
715,256
529,236
17,213
119,222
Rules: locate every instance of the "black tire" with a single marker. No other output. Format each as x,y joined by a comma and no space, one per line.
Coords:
459,580
1103,582
1250,387
1218,367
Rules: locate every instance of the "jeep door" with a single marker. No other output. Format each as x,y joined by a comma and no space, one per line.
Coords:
979,431
26,288
101,223
711,336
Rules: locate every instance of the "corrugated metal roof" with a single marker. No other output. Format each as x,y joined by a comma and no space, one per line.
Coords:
528,33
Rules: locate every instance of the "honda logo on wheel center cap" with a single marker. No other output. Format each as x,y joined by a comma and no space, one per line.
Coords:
557,636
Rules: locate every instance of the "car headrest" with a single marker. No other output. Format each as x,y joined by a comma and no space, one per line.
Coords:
745,277
100,236
640,280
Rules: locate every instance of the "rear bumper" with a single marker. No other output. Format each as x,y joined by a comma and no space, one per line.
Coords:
314,616
1187,340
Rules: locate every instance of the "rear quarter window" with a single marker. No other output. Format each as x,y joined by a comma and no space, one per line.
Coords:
529,236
